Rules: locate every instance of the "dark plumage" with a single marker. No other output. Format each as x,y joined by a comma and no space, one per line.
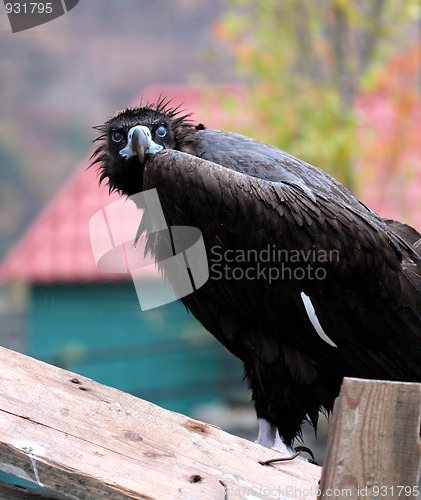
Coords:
246,196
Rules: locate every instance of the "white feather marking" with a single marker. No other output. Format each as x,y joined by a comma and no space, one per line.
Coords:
311,313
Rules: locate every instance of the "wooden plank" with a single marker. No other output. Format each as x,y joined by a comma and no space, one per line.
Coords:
88,441
373,449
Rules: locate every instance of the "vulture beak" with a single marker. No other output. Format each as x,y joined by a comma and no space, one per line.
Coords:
140,143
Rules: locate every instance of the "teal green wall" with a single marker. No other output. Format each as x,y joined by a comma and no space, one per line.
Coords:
162,355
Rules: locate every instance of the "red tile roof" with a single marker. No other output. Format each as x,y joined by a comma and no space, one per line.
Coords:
56,247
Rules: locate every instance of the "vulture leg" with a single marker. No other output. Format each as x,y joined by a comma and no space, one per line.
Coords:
269,438
267,433
279,445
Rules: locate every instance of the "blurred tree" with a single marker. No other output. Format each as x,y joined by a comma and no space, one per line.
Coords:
307,61
389,169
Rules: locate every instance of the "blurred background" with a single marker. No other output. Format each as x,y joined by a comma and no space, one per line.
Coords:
335,83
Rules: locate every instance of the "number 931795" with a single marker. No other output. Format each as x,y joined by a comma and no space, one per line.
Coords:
29,8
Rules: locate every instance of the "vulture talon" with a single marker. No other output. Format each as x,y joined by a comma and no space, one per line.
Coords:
311,461
304,449
283,459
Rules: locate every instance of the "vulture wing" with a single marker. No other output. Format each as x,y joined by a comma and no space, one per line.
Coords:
280,235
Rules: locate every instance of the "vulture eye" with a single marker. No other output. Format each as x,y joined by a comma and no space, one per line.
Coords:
117,136
161,131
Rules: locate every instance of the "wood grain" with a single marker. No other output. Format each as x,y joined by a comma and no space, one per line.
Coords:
374,449
88,441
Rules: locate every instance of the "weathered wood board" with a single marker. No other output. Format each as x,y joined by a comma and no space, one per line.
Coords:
374,447
88,441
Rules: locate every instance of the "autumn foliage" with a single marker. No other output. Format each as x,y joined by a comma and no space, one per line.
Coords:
389,127
337,84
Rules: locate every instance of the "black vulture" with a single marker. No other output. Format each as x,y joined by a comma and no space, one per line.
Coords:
307,285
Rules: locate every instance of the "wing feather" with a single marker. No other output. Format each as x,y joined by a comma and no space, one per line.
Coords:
223,201
368,301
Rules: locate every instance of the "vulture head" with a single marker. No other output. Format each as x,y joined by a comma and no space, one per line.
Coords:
132,135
